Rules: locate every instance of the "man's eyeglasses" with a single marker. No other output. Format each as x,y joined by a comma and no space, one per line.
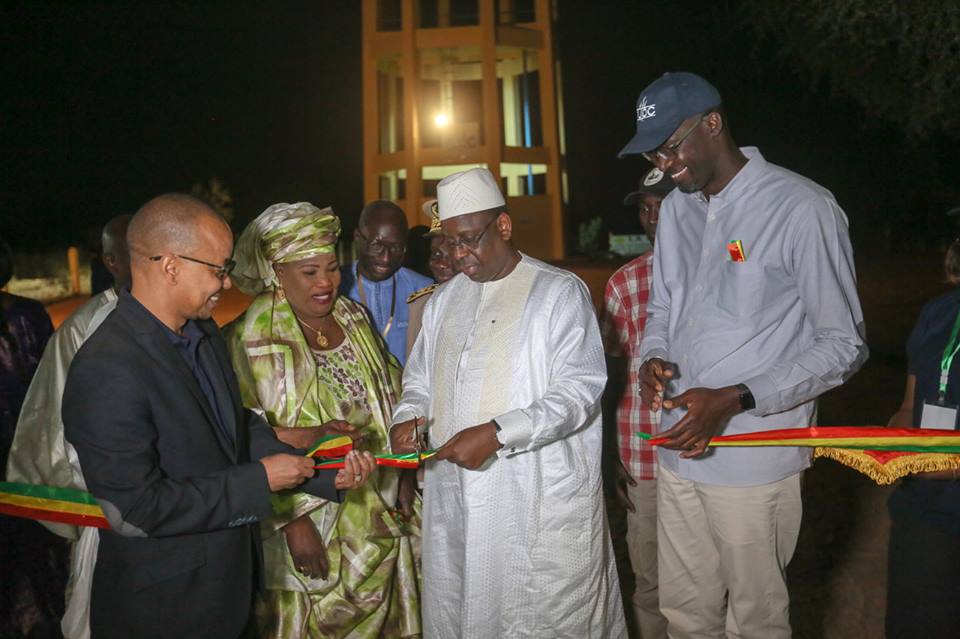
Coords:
222,271
470,243
377,247
665,153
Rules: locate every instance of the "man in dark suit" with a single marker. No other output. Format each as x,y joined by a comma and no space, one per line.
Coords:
182,471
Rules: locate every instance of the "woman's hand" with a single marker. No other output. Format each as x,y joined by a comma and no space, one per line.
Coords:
357,468
306,548
304,437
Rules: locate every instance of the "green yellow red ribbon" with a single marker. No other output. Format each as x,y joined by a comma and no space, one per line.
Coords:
403,460
331,446
50,503
921,440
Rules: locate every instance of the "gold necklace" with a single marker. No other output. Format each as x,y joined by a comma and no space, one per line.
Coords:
322,340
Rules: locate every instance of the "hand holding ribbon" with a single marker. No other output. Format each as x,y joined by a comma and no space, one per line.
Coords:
471,447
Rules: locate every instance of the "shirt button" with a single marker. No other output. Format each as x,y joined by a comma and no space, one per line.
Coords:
699,288
711,217
704,252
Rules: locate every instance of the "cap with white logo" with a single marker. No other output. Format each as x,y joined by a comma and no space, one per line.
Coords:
655,182
473,191
664,105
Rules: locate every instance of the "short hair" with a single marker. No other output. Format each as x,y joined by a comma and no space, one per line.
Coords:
951,263
113,237
166,223
390,210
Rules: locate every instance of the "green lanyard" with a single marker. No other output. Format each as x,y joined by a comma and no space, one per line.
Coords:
947,358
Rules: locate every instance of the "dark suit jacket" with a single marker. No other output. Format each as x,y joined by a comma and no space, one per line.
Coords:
182,497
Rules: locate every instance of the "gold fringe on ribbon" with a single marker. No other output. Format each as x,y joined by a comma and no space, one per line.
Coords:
892,470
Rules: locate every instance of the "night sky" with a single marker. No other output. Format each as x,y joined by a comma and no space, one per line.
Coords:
106,104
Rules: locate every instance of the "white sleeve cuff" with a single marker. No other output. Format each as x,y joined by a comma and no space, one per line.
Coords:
764,392
516,430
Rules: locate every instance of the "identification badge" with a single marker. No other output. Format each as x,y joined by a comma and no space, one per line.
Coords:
938,416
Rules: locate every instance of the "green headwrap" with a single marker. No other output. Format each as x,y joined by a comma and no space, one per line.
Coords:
283,233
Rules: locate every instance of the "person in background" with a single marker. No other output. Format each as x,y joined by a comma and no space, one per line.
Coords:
377,280
40,454
25,328
31,587
418,249
441,267
923,565
632,464
309,360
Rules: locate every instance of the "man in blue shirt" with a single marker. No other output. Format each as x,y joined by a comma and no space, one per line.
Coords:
376,279
753,314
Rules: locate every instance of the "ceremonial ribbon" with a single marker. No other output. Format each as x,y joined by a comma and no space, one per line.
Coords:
402,460
79,508
922,440
50,503
882,454
331,446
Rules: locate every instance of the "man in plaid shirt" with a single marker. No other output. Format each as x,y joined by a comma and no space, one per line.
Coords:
635,468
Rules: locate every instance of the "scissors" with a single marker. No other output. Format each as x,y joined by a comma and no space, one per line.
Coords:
416,435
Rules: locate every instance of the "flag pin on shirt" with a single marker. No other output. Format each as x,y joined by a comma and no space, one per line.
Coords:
737,254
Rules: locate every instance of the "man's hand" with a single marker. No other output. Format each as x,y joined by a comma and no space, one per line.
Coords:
403,435
304,437
357,468
407,492
471,447
708,410
286,471
621,478
306,548
654,375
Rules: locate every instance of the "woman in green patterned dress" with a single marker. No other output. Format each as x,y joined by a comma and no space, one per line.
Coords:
309,360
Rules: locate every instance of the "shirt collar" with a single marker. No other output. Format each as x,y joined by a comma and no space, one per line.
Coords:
192,333
743,180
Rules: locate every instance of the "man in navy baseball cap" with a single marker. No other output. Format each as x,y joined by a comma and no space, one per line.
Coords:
665,104
753,314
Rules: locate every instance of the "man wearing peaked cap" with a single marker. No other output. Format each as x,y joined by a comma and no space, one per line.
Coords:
753,314
632,462
441,267
508,373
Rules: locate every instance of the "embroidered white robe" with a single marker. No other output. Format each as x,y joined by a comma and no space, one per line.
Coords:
520,547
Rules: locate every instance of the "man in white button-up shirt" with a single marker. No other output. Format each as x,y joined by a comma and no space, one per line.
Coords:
753,314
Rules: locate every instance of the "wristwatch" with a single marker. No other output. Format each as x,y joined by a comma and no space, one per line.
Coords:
747,402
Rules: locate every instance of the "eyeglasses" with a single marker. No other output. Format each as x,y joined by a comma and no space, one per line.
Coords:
470,243
221,271
377,247
669,152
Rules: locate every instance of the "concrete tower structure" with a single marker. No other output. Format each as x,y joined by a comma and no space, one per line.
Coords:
453,84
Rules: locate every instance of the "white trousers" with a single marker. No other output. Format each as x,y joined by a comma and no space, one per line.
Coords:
723,553
642,545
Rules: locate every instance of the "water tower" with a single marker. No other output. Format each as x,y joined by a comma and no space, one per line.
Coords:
453,84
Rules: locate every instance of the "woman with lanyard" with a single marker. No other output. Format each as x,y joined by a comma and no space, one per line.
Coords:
305,357
923,582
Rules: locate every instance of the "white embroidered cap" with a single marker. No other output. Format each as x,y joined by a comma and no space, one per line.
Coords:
466,192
